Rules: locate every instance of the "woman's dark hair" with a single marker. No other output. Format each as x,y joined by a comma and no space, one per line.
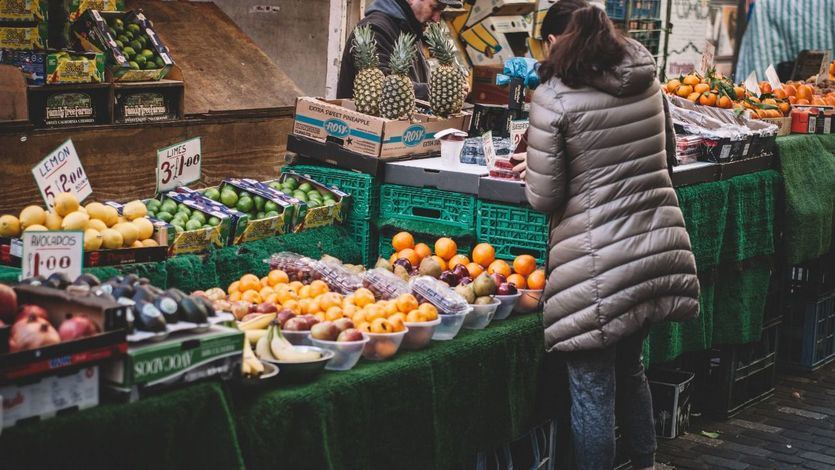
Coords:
558,16
589,45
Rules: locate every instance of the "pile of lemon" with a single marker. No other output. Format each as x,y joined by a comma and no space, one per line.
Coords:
102,225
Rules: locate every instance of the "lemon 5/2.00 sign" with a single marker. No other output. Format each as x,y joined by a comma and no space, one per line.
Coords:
179,164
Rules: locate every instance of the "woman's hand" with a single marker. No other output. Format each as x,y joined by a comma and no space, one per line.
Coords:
521,167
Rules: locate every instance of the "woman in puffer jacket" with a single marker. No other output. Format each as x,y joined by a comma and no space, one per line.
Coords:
619,256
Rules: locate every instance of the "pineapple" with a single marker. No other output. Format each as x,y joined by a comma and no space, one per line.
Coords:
446,86
368,84
398,98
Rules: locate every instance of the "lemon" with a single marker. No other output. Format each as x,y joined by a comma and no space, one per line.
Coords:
65,203
111,216
145,227
32,215
92,239
150,242
53,221
75,221
36,228
134,210
137,244
9,226
111,239
97,210
130,233
121,220
96,224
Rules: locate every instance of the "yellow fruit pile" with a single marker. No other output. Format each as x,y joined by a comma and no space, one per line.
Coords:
102,225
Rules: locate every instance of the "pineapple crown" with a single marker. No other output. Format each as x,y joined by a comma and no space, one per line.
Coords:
402,54
364,48
439,44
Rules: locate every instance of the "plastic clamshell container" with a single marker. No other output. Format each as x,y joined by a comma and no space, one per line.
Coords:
481,316
346,353
419,335
450,326
382,346
530,301
384,284
508,303
297,338
439,294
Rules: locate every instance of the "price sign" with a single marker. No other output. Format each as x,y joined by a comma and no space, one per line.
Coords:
487,145
518,129
706,62
823,73
179,164
61,172
773,79
752,85
45,253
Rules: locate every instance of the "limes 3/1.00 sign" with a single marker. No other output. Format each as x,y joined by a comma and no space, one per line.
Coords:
179,164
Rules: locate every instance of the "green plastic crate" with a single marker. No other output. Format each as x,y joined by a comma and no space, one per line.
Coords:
362,188
427,205
365,235
513,230
465,246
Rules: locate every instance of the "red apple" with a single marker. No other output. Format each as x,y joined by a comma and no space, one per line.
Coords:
266,307
506,288
348,335
498,278
296,324
461,271
8,303
344,324
326,331
30,309
283,316
239,309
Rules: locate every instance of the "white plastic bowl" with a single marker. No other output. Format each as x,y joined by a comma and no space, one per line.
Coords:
508,303
346,353
382,346
529,302
481,316
450,325
297,338
420,333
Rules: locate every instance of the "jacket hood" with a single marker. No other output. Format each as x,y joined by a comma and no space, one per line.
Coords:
389,7
633,76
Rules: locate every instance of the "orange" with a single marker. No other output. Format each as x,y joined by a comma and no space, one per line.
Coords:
251,296
373,312
403,240
234,287
235,296
363,297
801,101
792,99
428,310
446,248
423,250
790,90
296,286
265,281
410,255
693,97
456,260
249,282
293,306
277,276
319,316
318,287
474,269
349,310
401,317
348,300
684,91
692,79
266,291
484,254
725,102
701,88
672,85
441,262
414,316
517,280
390,308
740,92
285,295
707,99
780,94
305,292
358,316
765,87
393,258
406,303
330,299
364,326
333,313
272,298
805,92
536,280
524,264
311,306
499,266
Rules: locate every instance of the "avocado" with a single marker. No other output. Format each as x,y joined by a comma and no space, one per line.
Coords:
191,312
148,318
207,306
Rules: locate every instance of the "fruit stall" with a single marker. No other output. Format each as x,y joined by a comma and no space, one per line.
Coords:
356,283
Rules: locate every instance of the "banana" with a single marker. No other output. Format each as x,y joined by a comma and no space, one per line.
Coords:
253,336
258,323
253,363
246,370
262,348
284,351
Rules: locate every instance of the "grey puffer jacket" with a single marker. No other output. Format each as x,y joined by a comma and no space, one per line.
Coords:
619,255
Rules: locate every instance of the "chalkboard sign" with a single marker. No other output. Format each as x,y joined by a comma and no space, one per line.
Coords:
808,63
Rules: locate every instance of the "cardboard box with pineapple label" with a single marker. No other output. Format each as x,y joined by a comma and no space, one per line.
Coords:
338,121
24,10
23,37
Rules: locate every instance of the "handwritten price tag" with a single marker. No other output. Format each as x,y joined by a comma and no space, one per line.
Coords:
489,150
45,253
61,172
179,164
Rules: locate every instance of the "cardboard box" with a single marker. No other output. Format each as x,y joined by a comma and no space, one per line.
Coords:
481,9
258,229
485,90
337,121
671,401
50,396
70,105
182,359
153,101
436,173
32,64
497,39
108,315
81,67
784,125
11,250
312,217
76,8
203,239
91,32
24,36
25,11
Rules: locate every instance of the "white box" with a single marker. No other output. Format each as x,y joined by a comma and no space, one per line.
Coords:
49,395
497,39
481,9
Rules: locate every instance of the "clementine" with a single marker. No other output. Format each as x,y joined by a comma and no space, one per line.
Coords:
423,251
446,248
475,269
441,262
692,79
249,282
410,255
672,85
277,276
406,303
805,92
251,296
363,297
499,266
403,240
518,280
429,311
234,287
524,265
484,254
536,280
456,260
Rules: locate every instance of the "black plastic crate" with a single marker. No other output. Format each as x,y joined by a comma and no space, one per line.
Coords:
671,401
811,279
809,333
739,376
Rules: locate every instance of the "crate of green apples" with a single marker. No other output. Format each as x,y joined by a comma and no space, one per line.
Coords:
269,213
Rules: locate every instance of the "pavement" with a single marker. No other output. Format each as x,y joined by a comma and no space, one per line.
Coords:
794,429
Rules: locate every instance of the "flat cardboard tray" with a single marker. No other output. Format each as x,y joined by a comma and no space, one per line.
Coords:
502,190
436,173
337,156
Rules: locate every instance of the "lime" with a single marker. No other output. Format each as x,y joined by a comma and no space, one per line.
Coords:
314,195
291,182
329,196
184,208
198,216
270,206
329,202
312,204
160,63
134,28
123,39
271,214
119,23
151,214
169,206
229,198
178,228
193,225
244,204
153,205
259,216
213,194
141,60
120,44
179,218
302,196
147,53
259,202
306,187
213,221
275,185
149,65
133,65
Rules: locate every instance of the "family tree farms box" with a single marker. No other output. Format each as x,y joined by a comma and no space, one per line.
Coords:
339,122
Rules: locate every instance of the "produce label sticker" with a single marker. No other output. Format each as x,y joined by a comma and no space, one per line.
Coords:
46,253
179,164
61,172
489,150
773,79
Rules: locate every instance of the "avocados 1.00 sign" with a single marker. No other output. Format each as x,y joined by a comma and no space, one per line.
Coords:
46,253
179,164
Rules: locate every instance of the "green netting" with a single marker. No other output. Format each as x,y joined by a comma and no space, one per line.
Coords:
828,142
809,184
705,212
190,272
187,428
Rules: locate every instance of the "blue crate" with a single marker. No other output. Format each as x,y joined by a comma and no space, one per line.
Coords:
616,9
809,336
